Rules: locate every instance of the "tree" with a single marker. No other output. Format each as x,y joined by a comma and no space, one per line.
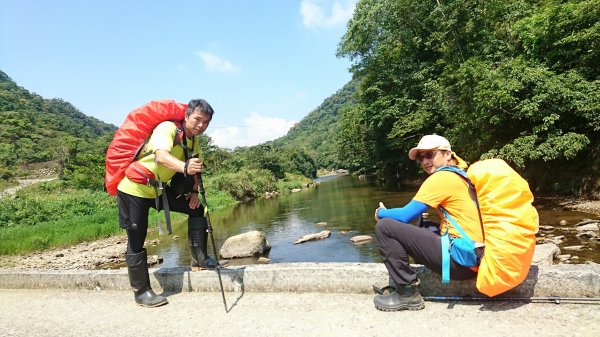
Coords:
510,79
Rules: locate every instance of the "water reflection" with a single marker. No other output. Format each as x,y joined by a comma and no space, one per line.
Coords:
345,203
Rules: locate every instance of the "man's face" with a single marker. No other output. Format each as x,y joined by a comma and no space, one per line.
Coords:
196,123
432,160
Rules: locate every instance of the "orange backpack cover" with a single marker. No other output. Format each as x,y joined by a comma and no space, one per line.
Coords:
510,224
128,139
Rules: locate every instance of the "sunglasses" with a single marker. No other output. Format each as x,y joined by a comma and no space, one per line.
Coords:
426,155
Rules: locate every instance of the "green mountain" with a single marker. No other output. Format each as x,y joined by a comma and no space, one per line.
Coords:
34,129
317,133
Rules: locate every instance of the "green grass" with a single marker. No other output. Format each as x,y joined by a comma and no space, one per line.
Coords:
59,233
292,181
4,184
50,214
219,200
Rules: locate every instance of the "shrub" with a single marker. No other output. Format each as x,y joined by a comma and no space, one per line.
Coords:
51,201
244,184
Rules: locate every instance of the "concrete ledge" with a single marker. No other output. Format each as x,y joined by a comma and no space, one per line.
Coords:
558,280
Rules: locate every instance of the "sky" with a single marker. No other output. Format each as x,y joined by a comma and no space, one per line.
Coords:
263,65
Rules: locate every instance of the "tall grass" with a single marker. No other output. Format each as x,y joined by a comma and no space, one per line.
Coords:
244,184
58,233
292,181
50,215
4,184
51,201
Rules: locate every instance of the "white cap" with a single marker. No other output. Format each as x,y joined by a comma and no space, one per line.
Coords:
429,142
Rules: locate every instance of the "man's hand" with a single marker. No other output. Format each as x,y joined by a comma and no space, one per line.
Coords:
381,205
193,199
194,166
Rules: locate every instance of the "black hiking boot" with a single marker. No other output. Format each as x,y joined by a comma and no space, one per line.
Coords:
197,239
404,297
137,268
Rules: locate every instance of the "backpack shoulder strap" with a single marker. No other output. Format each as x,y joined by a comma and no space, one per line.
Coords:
472,192
464,175
456,170
454,223
178,140
180,134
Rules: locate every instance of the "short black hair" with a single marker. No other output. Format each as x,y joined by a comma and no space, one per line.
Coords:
202,104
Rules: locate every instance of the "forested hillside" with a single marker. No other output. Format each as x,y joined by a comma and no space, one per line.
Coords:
515,79
34,129
318,133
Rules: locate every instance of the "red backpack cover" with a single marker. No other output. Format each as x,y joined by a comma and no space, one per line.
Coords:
136,128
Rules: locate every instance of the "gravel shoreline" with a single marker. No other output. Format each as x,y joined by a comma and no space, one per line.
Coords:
581,205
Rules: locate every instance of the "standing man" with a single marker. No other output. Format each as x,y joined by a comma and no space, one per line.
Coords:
172,148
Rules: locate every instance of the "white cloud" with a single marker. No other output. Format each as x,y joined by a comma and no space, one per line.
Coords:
314,13
256,129
215,63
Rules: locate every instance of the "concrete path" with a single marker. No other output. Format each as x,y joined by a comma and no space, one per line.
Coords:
299,299
54,312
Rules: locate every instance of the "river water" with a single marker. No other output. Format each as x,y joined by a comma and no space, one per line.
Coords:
347,205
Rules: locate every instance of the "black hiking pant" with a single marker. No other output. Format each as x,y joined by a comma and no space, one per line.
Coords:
133,215
397,240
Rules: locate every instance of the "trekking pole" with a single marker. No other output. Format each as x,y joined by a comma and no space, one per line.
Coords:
212,238
548,299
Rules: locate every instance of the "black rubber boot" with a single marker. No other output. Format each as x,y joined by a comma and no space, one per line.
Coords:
197,239
405,297
137,268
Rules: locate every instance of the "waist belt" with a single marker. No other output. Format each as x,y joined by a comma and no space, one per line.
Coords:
139,174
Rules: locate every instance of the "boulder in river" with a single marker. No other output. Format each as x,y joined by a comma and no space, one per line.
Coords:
586,235
245,245
585,226
360,239
314,236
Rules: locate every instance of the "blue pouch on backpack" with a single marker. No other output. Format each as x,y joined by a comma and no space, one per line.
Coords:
462,251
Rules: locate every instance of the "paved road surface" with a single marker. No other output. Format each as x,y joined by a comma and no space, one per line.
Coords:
52,312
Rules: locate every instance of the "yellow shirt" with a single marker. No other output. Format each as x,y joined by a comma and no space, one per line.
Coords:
161,139
449,190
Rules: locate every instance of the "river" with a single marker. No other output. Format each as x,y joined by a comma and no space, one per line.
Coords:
347,205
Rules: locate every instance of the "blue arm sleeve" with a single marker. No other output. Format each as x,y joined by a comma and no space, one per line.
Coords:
404,214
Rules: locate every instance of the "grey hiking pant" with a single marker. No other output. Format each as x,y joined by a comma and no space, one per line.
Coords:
397,240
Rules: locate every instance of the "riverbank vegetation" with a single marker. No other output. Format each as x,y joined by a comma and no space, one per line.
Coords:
511,79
